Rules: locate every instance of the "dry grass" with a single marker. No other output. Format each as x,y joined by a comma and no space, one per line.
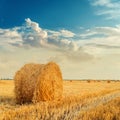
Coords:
76,96
109,111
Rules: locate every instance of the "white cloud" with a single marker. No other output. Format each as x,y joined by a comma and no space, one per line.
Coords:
61,33
35,27
110,8
106,32
106,3
9,34
106,40
67,33
31,35
87,34
79,55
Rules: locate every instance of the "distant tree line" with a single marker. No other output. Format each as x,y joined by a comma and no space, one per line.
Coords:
5,78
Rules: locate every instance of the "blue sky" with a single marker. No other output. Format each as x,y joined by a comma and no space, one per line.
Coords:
82,36
51,14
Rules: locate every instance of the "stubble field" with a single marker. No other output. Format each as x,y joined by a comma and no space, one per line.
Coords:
82,100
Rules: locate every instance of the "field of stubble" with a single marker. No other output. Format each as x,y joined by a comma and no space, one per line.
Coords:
82,100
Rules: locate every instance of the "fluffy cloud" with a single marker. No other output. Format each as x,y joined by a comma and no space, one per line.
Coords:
35,27
30,35
66,33
84,52
9,34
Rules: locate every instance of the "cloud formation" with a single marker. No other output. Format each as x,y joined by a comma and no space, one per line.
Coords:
32,35
109,8
102,36
85,52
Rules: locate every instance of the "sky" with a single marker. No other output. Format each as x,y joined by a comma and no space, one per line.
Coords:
81,36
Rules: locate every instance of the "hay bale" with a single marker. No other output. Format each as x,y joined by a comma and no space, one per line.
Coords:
25,82
89,81
35,82
108,81
50,84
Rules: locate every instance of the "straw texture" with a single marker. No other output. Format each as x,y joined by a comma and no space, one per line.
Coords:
35,82
50,84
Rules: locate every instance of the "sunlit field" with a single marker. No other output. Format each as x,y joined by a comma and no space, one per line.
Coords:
82,100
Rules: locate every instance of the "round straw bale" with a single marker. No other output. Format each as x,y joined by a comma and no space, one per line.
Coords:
25,82
50,84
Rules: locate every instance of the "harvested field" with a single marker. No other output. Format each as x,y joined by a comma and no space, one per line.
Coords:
80,98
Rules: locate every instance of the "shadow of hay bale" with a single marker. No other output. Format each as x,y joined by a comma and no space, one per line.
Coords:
7,100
